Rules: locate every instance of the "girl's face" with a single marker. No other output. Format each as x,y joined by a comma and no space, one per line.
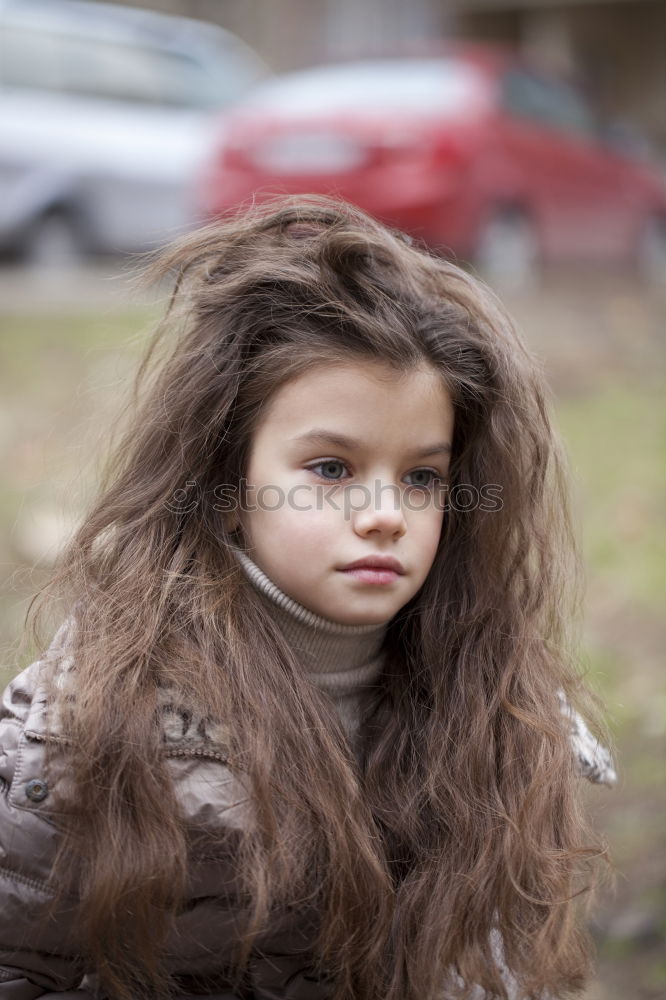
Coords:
345,465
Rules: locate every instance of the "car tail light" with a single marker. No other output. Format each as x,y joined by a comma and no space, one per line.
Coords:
396,145
416,145
448,151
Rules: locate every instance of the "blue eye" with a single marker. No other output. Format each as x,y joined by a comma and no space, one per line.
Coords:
327,467
332,470
431,478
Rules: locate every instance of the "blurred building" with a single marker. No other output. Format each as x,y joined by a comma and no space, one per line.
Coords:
616,48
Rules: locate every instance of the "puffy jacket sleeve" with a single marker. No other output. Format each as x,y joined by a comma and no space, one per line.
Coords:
593,761
37,956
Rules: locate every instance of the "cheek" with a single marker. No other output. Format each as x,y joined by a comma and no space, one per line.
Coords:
294,547
426,529
302,522
312,525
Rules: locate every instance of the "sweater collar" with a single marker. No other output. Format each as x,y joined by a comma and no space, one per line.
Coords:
339,655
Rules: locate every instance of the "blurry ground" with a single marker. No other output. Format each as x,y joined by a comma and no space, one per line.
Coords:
67,344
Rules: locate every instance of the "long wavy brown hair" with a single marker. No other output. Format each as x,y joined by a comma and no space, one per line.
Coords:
463,821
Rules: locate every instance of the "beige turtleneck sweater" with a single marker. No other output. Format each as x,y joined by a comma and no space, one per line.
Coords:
343,660
346,660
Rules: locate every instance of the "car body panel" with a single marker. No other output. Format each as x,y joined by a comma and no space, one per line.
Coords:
443,168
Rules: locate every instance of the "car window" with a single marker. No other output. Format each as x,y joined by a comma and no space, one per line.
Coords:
421,85
555,105
114,70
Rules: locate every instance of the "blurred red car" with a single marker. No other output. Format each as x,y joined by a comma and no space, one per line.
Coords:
473,151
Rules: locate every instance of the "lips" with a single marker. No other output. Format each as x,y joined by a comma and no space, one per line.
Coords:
377,563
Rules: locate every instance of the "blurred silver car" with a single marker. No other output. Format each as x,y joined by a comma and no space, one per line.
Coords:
105,115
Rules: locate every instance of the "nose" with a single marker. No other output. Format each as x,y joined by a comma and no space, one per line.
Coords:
381,513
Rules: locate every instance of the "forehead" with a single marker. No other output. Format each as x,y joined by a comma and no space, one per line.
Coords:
367,400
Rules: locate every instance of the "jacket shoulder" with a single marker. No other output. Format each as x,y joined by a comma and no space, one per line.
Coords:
593,761
24,700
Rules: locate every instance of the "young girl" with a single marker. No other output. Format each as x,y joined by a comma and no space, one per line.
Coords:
307,730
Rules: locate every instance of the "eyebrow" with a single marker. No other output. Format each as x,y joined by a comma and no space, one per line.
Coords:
320,436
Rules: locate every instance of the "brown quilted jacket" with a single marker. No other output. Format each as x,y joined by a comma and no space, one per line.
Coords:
36,960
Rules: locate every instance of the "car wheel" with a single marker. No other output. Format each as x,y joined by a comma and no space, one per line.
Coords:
53,241
507,253
651,256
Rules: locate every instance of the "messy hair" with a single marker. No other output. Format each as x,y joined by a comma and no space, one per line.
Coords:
462,820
